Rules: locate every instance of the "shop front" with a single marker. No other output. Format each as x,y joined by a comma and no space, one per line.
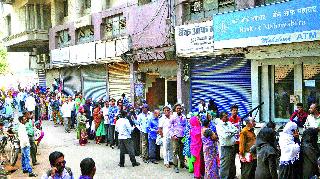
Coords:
226,79
282,42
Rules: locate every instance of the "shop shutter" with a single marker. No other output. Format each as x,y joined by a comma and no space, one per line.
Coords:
119,80
94,82
71,80
225,80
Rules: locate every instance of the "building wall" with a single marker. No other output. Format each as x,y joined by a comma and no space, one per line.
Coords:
145,24
148,26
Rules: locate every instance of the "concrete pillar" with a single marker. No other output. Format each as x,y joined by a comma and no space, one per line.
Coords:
35,14
165,91
298,80
179,80
272,100
133,72
107,82
41,17
178,12
255,86
265,93
27,16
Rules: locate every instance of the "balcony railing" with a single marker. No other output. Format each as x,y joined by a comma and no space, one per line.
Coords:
90,53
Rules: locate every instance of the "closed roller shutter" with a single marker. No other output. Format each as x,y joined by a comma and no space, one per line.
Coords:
119,80
94,82
227,81
71,80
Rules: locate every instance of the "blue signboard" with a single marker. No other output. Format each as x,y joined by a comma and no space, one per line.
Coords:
286,22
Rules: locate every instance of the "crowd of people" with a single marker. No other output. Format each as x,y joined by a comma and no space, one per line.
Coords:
205,142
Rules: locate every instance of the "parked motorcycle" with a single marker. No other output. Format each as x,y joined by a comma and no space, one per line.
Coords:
9,145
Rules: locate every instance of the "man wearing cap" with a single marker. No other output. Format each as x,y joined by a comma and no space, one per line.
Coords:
143,119
177,127
164,123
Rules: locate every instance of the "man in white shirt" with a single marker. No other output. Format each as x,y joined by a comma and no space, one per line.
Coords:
73,112
226,132
105,113
30,103
164,124
66,114
25,147
313,118
124,128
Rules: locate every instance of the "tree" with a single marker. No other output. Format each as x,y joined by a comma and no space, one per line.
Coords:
3,61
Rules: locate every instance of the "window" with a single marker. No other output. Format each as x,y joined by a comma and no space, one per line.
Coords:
142,2
114,25
65,8
86,4
63,38
283,88
85,34
311,85
27,16
206,8
262,2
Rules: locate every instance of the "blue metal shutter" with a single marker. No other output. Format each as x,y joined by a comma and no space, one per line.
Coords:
226,81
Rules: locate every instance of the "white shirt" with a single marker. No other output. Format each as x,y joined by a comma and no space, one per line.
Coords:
164,122
124,128
226,132
72,105
23,135
66,109
105,112
30,103
312,121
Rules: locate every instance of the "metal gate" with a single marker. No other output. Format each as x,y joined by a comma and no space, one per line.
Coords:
119,80
225,80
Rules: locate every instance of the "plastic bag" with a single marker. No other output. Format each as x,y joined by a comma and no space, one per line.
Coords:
93,126
159,140
87,125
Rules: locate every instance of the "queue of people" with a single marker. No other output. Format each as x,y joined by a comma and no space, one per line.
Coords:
206,142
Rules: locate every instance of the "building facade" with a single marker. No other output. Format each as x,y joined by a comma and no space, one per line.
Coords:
280,40
207,74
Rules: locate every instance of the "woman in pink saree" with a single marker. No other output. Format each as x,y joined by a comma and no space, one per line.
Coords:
196,145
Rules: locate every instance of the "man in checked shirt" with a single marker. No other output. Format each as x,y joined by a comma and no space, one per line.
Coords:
176,132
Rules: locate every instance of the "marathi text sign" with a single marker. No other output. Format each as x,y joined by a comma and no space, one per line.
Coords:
194,38
287,22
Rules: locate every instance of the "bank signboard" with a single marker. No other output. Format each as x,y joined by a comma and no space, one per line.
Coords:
194,39
286,22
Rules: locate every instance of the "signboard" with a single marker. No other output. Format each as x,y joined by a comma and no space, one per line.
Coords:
287,22
194,39
60,55
310,83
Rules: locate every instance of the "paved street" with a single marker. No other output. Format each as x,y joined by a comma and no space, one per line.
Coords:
106,158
